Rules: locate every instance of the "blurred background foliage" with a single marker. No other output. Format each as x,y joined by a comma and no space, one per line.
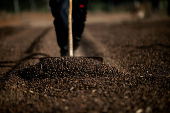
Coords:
24,5
17,6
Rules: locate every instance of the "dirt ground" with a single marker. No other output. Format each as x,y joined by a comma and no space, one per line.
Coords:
133,77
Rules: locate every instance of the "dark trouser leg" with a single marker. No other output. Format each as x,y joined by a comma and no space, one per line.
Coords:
79,18
168,7
59,9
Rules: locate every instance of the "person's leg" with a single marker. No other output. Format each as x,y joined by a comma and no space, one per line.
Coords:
79,18
59,9
168,7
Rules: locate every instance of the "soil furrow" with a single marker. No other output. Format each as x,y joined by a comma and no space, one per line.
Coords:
15,45
48,45
92,46
37,40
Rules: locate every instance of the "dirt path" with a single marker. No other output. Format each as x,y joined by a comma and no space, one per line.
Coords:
134,76
35,36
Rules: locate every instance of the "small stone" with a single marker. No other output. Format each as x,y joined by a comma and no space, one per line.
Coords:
148,110
71,89
139,111
94,90
31,91
66,108
126,97
58,90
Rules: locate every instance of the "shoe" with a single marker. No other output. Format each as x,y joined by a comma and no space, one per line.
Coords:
64,53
